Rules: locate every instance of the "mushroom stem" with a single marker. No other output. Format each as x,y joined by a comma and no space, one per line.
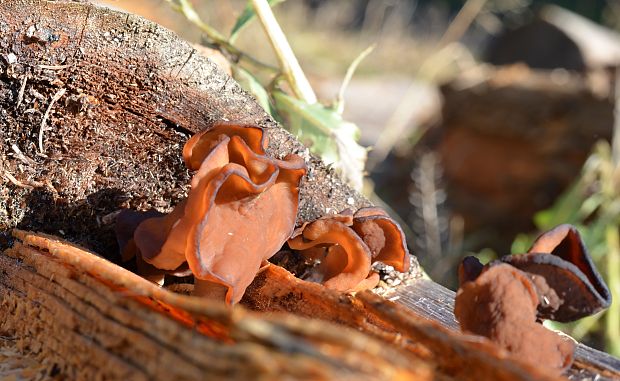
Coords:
211,290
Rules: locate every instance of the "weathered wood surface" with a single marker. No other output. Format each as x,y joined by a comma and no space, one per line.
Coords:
83,313
95,320
436,302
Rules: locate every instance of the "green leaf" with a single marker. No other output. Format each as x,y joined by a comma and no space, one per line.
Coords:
564,210
323,130
252,86
246,16
521,244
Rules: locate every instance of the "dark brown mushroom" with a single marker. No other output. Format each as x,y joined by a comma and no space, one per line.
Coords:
469,269
568,283
501,304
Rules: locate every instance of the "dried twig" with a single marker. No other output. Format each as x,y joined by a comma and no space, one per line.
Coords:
55,98
288,62
54,67
20,155
22,88
17,183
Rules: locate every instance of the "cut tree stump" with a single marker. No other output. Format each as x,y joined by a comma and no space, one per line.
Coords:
95,106
130,93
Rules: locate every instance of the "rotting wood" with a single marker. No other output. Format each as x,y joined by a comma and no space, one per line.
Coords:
134,93
84,310
276,290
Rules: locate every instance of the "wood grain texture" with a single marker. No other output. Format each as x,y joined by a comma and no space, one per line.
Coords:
95,320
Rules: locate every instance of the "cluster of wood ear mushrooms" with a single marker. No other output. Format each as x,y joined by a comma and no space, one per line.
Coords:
240,210
507,299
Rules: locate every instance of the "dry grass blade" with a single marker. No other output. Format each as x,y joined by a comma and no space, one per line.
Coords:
55,98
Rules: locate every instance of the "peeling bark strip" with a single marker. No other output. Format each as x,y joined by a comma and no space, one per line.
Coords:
93,318
98,321
134,93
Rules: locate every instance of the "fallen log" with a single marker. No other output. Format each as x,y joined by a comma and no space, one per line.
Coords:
91,318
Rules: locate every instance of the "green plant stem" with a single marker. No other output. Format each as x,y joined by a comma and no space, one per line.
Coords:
186,9
288,62
612,321
349,75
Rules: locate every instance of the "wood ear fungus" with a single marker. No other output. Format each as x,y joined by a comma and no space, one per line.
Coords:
240,210
574,288
500,304
346,245
504,299
568,285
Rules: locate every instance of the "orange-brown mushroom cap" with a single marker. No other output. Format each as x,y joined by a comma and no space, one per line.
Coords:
168,234
383,236
346,259
240,210
126,223
245,224
200,145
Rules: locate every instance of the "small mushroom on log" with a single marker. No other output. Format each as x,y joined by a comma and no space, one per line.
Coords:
501,305
469,269
568,285
344,258
383,236
561,282
574,288
126,223
238,196
347,244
